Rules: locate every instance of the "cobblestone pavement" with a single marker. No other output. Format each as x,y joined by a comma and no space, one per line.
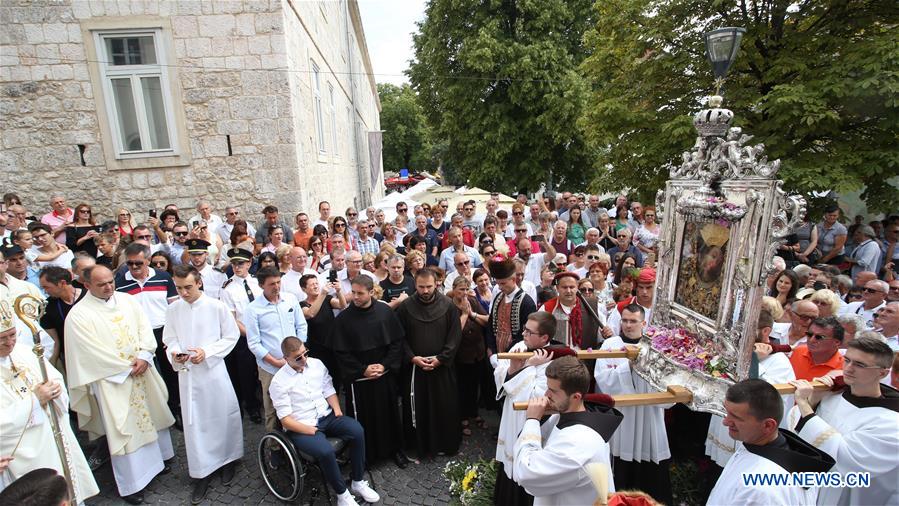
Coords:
421,483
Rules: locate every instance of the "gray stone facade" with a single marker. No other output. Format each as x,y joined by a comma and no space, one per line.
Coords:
240,85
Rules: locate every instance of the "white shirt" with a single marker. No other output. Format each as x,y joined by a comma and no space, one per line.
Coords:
234,294
302,395
859,309
535,264
224,232
213,223
290,283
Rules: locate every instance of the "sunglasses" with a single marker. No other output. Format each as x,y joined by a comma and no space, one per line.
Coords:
871,290
181,234
302,356
521,231
487,241
339,225
460,264
403,210
592,257
88,211
587,290
135,264
159,264
468,209
144,237
578,254
817,337
517,213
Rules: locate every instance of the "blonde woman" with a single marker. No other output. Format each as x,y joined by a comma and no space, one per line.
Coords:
828,302
125,222
415,261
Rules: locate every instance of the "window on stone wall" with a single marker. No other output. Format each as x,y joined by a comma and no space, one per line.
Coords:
135,89
317,101
333,99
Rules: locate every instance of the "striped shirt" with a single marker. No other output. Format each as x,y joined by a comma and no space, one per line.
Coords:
153,293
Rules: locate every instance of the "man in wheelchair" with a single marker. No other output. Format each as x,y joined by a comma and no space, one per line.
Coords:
306,403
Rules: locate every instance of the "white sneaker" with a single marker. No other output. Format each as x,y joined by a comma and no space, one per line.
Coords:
346,499
367,493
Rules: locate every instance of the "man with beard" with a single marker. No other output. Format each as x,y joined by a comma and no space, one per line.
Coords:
577,327
433,332
520,381
368,344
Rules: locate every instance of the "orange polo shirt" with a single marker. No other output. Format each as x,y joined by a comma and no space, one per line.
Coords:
808,370
302,239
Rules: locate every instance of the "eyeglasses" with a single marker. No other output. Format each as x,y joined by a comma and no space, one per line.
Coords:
403,210
858,365
817,337
487,241
339,225
871,290
135,264
805,317
587,290
530,332
470,209
232,213
352,214
460,264
181,234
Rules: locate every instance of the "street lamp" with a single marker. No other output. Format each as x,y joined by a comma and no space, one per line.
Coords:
722,46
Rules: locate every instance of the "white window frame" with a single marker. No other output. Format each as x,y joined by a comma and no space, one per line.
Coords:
333,98
135,73
317,108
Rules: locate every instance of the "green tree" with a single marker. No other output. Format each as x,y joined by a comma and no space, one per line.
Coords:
407,138
499,81
816,81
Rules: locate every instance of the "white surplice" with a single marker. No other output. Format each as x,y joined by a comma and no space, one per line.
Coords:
26,424
641,436
213,432
550,462
861,436
529,383
729,490
775,368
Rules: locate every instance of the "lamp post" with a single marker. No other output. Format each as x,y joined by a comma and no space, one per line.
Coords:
721,47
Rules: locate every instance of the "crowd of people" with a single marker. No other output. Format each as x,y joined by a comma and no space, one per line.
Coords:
189,320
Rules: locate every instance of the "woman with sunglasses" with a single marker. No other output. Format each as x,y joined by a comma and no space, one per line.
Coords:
125,222
647,234
160,261
81,232
316,252
340,226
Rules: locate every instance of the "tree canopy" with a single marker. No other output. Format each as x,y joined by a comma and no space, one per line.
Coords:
816,81
407,138
500,84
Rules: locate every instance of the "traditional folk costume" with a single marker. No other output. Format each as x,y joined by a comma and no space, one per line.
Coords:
213,433
786,454
103,338
550,459
432,329
526,384
775,368
365,336
575,326
862,434
25,430
508,313
640,445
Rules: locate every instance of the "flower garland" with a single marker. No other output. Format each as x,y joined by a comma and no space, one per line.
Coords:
687,349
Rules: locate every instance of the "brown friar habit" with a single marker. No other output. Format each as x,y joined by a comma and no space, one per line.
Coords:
433,329
365,336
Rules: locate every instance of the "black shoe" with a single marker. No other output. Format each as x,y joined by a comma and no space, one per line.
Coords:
99,457
256,418
228,473
137,498
167,466
401,460
200,488
276,459
178,425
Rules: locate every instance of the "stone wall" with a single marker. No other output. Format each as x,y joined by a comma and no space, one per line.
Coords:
236,78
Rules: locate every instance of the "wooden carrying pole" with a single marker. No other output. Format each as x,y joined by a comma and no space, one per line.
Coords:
674,393
631,353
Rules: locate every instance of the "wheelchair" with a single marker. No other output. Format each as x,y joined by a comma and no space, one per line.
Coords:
284,468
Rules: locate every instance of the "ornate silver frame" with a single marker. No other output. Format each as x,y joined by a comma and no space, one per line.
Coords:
725,180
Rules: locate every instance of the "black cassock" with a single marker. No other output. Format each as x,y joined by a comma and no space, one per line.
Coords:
433,329
365,336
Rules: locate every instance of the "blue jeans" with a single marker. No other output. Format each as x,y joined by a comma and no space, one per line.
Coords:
318,447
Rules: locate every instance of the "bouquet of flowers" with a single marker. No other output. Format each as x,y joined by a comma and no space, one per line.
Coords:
686,348
471,483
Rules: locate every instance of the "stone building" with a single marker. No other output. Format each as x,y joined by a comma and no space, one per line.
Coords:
143,103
